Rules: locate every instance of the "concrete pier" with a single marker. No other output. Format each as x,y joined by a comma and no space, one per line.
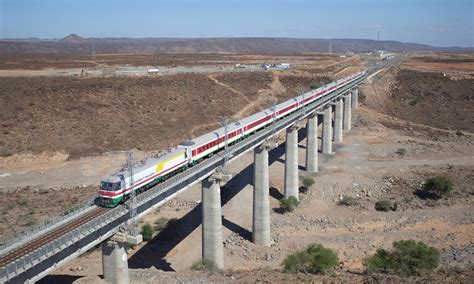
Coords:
261,200
347,111
212,246
327,130
338,115
312,144
355,98
115,262
291,161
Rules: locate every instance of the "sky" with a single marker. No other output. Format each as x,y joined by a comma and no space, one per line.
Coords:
433,22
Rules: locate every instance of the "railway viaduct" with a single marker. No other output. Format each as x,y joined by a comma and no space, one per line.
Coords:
335,119
32,256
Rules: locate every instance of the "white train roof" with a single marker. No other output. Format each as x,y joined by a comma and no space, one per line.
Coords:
205,138
144,164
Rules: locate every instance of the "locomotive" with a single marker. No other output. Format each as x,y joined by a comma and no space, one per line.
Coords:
116,187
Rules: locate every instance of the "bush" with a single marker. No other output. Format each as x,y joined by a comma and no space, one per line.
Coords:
289,204
385,205
348,201
147,232
407,258
307,182
204,265
401,152
314,259
161,223
438,185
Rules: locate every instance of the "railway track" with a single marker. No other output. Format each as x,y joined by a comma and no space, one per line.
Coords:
24,250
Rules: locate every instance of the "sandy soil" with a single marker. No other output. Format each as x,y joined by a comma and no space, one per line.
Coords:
457,65
367,166
65,61
62,134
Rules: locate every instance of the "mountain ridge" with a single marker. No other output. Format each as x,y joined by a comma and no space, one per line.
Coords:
76,44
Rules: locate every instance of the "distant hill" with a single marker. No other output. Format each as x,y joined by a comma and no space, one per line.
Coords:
76,44
73,38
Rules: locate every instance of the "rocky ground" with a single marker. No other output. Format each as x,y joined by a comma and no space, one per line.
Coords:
366,167
59,135
83,117
369,165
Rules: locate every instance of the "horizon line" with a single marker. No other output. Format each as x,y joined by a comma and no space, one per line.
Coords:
231,37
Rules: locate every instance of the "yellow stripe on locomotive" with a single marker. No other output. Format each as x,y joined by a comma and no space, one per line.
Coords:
161,166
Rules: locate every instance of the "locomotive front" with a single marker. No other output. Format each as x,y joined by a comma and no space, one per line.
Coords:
110,191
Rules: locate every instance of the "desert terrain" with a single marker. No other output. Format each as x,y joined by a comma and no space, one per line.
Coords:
60,134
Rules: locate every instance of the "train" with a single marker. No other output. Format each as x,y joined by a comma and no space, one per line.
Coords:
115,188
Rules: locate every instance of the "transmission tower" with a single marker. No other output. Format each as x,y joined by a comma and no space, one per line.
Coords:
132,223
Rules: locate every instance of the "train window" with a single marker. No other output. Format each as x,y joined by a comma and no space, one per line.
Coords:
116,186
104,185
108,186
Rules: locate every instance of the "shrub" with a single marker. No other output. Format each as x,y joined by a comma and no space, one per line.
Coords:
407,258
289,204
147,232
438,185
348,201
314,259
401,152
385,205
380,261
395,206
307,182
161,223
204,265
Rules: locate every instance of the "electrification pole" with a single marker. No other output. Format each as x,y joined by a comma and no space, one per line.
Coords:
132,223
274,118
226,138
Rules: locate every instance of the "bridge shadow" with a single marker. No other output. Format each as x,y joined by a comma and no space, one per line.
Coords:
301,137
59,279
275,193
300,167
241,231
155,251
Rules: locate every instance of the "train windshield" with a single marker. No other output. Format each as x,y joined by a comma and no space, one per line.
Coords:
109,186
